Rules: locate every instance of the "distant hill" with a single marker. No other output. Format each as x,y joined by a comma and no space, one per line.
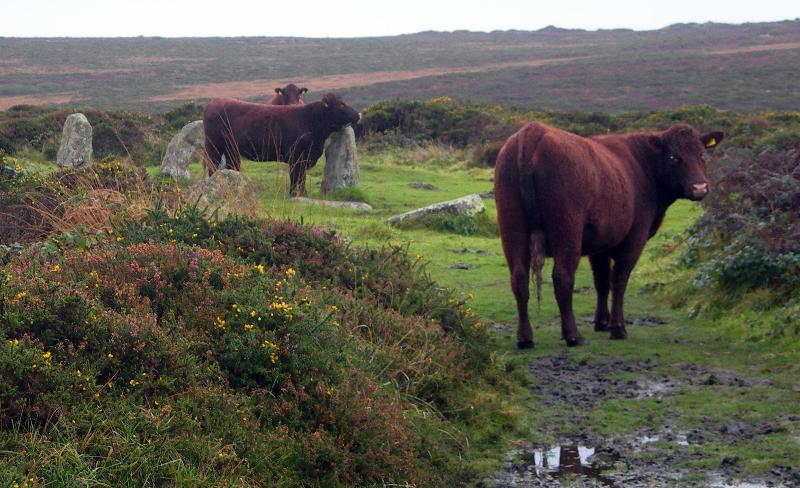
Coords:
739,67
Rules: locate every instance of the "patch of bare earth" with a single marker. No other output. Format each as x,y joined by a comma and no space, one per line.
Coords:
753,49
571,390
35,69
145,60
8,102
255,88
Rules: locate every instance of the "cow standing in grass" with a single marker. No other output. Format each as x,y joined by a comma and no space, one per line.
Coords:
288,95
293,134
565,196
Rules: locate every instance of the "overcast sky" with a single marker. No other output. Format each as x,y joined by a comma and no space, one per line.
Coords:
359,18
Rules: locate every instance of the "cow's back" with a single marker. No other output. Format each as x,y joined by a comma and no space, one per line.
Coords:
567,185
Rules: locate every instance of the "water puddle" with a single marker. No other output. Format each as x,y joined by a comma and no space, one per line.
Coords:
679,438
569,460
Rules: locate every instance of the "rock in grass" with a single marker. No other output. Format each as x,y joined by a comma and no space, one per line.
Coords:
341,165
227,191
334,203
183,146
468,205
75,150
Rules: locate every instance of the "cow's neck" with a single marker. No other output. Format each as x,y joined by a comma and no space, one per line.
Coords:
320,127
646,152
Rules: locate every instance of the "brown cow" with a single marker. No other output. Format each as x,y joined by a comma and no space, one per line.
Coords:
288,95
565,196
293,134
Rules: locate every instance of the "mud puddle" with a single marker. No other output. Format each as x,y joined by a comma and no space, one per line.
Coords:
570,390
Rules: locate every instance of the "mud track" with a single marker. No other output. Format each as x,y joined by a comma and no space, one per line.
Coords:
649,457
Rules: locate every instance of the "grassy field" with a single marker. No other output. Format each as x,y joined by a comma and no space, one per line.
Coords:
716,396
744,67
717,379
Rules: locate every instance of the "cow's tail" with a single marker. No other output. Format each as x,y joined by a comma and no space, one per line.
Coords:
529,139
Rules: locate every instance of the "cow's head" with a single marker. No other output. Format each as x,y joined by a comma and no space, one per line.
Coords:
290,94
338,114
681,168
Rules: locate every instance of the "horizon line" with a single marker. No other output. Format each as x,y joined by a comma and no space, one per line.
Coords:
550,27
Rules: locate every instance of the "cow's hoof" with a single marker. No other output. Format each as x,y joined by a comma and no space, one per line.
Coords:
618,333
525,345
601,326
576,341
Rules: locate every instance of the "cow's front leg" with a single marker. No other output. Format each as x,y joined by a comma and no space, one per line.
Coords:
297,179
565,263
623,265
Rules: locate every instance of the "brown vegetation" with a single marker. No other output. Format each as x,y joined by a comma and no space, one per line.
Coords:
255,88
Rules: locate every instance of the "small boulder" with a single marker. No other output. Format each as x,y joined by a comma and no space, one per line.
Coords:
334,203
468,205
341,165
182,148
227,191
420,185
75,150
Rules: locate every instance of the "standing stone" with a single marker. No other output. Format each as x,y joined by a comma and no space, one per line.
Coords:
76,142
341,166
183,146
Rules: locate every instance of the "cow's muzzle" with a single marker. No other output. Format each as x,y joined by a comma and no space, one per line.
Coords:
699,191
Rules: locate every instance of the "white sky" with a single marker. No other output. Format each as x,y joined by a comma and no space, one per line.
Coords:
359,18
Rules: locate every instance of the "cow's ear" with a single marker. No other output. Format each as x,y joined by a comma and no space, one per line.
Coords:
711,139
279,91
303,90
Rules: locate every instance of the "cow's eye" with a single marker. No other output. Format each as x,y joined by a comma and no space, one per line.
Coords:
673,158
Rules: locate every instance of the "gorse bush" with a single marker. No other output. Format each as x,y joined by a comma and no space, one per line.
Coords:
188,350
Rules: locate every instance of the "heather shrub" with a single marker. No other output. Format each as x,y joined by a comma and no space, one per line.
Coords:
185,349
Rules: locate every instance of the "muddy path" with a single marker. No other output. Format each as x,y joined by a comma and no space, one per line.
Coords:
612,420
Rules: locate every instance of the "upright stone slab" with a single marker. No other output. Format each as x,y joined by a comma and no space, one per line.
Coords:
76,142
468,205
183,146
341,166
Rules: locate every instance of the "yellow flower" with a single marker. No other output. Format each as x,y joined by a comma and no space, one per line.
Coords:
253,313
273,358
21,295
14,342
248,326
120,238
110,356
55,268
260,268
290,272
220,323
133,382
47,355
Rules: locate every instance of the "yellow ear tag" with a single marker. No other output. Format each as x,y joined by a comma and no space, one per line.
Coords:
711,143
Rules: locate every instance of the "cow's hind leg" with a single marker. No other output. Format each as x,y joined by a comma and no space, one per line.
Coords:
516,245
565,263
601,272
212,156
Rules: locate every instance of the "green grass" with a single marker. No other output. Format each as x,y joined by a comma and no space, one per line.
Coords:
716,342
